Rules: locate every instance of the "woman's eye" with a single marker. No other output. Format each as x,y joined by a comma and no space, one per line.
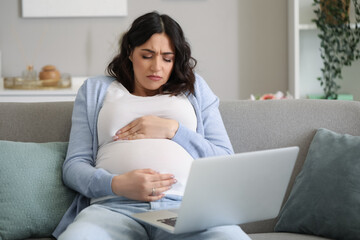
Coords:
168,58
146,56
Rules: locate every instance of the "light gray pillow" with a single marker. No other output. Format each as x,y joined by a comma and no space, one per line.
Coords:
33,197
325,199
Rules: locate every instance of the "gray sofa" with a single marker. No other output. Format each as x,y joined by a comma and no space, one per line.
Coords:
251,125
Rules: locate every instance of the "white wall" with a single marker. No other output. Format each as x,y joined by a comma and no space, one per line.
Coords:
263,47
240,45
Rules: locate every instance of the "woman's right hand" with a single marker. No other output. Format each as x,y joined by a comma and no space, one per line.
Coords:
142,184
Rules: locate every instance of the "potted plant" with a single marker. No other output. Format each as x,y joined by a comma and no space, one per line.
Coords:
339,41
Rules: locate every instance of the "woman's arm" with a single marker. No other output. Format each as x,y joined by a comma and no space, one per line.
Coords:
211,138
79,172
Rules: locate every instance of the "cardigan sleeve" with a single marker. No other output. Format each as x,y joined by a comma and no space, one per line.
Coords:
79,172
211,138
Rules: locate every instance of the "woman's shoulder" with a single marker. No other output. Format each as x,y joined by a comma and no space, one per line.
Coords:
201,87
99,80
97,83
199,80
94,87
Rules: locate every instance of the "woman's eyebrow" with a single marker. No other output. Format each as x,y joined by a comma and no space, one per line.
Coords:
153,52
168,53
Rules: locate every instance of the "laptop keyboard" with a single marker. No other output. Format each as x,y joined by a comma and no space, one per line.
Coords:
168,221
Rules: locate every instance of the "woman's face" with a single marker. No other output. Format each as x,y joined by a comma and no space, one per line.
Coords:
153,63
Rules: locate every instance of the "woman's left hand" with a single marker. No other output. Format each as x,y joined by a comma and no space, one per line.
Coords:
148,127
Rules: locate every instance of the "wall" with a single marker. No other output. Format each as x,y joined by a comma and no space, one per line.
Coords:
240,45
263,47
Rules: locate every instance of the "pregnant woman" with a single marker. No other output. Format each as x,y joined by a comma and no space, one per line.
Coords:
134,135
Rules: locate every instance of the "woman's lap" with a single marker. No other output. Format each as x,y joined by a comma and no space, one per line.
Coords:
111,220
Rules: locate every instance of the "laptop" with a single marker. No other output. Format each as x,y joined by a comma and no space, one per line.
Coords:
228,190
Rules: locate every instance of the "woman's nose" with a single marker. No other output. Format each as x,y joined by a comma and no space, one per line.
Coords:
156,64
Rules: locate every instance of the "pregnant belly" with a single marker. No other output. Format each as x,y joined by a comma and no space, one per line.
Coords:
162,155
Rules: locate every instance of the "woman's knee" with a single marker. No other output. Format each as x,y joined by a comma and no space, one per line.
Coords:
83,230
97,222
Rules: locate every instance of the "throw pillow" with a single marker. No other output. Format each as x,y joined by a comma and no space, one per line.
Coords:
325,199
33,197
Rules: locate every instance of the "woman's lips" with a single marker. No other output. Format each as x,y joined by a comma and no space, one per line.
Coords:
154,77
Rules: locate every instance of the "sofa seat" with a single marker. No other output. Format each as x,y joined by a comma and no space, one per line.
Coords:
284,236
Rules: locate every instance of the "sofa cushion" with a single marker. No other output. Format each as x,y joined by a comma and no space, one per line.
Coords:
325,199
32,195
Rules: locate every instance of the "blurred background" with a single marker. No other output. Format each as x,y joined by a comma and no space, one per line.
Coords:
241,45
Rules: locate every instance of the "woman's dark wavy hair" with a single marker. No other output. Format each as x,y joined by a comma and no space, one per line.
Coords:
182,77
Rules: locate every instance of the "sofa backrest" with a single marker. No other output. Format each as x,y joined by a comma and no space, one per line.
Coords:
251,125
35,122
258,125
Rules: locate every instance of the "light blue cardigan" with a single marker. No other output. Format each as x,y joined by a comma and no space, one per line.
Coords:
79,173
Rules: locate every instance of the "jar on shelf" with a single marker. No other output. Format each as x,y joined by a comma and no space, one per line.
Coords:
49,75
29,74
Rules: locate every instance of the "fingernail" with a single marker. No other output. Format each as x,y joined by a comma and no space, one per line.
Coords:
115,137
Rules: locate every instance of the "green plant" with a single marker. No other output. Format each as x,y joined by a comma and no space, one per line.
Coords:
339,41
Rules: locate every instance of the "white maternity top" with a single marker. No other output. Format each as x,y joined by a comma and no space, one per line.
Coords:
162,155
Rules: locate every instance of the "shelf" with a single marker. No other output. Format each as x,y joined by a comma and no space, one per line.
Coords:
66,94
313,26
305,62
307,27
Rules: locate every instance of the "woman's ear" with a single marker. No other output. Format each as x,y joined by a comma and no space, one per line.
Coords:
130,54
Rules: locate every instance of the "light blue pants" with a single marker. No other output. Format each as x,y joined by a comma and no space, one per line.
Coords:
111,220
